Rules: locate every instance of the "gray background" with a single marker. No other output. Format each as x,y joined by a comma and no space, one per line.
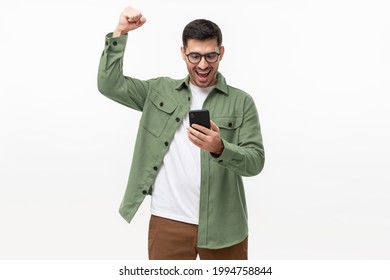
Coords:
318,70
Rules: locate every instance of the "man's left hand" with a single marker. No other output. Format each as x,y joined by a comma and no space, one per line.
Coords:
206,139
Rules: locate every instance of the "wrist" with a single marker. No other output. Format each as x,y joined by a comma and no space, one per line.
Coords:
118,32
219,151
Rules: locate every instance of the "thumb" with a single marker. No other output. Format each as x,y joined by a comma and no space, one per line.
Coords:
214,127
140,22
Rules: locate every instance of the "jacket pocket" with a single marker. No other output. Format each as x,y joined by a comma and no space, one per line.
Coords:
229,127
156,113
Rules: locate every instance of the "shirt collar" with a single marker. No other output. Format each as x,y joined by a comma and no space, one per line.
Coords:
221,85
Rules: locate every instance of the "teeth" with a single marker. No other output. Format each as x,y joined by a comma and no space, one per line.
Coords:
203,73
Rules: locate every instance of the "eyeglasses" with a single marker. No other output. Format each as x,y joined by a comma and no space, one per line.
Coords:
195,57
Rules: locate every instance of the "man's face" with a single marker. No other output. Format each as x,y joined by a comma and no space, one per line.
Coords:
203,73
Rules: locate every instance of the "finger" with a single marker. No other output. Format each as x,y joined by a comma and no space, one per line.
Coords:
131,18
196,134
194,140
214,127
141,21
132,15
202,129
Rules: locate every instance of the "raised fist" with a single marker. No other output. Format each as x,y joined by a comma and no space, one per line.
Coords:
130,19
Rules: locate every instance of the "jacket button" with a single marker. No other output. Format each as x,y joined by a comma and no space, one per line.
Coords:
114,43
155,168
230,124
189,98
161,104
144,192
166,143
177,119
220,161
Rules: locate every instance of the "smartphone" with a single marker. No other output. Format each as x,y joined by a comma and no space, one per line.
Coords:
201,117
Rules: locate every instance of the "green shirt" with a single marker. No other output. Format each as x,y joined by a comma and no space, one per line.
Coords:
164,102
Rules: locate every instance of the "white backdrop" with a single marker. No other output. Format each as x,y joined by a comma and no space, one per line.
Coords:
319,72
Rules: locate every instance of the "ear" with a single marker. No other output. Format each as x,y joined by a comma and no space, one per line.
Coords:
221,53
183,53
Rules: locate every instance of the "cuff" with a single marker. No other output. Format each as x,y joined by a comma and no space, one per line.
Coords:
117,44
227,153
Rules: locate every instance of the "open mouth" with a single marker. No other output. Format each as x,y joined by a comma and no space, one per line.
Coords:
203,74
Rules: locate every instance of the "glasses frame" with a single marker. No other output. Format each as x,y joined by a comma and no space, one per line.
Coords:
203,55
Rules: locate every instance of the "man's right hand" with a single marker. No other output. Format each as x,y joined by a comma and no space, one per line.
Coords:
130,19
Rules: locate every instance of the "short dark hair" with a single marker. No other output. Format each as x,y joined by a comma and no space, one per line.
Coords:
202,29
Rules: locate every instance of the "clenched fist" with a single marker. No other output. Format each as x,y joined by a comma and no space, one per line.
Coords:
130,19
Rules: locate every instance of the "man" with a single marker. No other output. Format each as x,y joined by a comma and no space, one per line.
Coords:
193,173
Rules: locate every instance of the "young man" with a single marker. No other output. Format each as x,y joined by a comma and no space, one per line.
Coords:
193,173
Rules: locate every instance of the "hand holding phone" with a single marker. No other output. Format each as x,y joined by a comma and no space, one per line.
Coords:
209,141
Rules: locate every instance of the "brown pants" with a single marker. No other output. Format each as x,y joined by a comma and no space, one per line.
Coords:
173,240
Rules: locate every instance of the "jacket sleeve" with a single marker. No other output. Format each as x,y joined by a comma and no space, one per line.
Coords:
246,158
112,83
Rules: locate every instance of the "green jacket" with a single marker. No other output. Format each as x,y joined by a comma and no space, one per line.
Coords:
223,218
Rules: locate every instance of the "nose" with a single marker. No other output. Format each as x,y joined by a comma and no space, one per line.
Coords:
203,64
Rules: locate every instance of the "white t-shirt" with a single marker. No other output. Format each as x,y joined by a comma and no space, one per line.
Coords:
176,190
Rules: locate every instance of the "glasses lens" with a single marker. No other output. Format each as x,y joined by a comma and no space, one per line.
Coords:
212,57
194,57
